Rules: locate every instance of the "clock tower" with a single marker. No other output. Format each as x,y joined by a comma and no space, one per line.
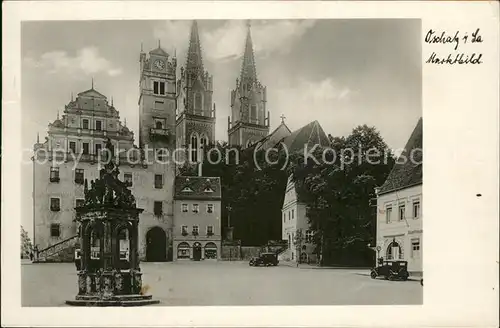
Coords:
157,99
195,123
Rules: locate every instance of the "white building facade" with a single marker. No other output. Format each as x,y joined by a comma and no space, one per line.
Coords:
399,208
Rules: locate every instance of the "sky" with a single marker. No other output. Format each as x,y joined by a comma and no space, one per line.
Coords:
342,73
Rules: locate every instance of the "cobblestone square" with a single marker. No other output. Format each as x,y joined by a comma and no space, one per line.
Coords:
231,283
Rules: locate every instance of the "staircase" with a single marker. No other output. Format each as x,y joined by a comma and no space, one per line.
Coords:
62,251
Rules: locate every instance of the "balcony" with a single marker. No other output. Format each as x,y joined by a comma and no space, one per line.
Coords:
160,134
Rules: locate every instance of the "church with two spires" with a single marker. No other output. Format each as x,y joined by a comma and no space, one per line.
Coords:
182,215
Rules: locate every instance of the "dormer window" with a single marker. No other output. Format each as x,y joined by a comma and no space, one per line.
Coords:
187,189
208,190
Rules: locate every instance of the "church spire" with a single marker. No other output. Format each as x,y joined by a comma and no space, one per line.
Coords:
194,59
248,70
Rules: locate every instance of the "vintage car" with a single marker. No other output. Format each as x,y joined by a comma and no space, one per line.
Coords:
391,270
265,259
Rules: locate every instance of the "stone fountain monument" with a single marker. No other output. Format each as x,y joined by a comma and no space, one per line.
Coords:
107,278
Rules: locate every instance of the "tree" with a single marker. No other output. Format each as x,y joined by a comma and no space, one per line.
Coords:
298,240
337,194
26,246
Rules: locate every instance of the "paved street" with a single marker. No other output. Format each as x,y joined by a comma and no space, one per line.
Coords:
230,283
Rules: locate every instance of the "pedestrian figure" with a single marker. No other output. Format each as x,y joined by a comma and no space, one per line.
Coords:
31,256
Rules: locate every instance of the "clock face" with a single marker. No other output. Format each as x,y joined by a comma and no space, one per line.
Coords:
159,64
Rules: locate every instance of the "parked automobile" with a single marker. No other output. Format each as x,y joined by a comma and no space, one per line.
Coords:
391,270
265,259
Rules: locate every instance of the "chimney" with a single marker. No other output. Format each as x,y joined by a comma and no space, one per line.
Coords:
200,171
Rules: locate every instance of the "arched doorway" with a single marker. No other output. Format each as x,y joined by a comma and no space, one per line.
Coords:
394,251
156,245
197,251
211,251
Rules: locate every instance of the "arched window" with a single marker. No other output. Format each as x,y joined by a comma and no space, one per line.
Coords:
183,251
253,112
159,125
194,148
198,101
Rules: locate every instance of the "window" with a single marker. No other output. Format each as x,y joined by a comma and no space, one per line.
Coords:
127,178
184,208
284,217
98,148
388,213
85,148
210,230
415,248
55,230
80,202
293,214
195,230
254,112
158,125
184,230
160,155
401,212
158,88
85,124
187,189
158,208
79,176
159,105
55,204
289,215
208,190
196,208
203,142
158,181
416,209
210,208
54,174
309,236
72,147
197,101
98,125
194,148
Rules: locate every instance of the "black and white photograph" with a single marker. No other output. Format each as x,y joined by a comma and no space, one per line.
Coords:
191,162
255,163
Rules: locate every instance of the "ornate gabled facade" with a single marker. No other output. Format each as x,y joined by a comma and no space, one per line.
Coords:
195,122
249,121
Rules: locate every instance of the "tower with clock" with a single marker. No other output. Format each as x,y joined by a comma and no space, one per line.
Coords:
157,99
195,122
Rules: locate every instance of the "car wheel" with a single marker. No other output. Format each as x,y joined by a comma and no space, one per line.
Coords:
373,274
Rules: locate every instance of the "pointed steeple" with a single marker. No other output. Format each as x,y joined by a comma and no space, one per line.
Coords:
248,70
194,60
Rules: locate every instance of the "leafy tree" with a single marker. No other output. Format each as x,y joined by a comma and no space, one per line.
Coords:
337,194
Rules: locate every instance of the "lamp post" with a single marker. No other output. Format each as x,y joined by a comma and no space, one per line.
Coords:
229,208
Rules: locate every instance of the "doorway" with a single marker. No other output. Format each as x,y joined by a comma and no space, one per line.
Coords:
197,251
156,245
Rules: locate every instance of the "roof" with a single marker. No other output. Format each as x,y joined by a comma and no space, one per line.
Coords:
407,173
91,93
272,139
197,188
158,51
310,135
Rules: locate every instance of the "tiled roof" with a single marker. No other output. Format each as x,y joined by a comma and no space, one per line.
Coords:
197,188
158,51
92,93
309,135
407,173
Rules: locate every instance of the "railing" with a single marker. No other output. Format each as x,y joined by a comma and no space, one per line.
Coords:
56,248
162,132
